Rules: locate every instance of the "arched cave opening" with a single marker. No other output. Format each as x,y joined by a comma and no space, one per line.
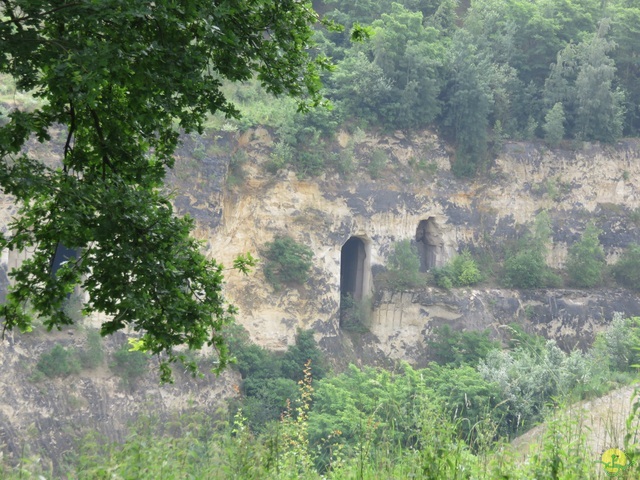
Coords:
430,244
354,279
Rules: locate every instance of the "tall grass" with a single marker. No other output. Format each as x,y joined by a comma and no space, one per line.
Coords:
196,446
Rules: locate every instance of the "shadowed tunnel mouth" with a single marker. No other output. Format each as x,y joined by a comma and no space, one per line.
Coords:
353,270
352,259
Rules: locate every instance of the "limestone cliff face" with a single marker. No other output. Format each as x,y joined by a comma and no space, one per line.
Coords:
351,225
441,215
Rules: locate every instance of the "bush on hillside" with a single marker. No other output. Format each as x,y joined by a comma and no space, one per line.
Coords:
129,364
586,259
450,347
462,271
286,262
626,270
525,265
58,362
403,267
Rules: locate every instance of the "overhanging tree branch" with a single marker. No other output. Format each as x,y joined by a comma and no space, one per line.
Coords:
119,76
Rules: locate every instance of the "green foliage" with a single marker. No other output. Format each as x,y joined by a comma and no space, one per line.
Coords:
583,80
466,111
554,125
344,162
438,422
586,259
528,379
389,408
525,269
377,163
394,79
281,155
617,344
525,265
462,271
626,270
355,315
92,355
561,453
403,267
422,166
310,160
450,347
73,308
129,364
266,401
270,381
124,79
236,174
58,362
286,262
304,351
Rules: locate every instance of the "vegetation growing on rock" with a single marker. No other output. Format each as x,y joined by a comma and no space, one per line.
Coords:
287,262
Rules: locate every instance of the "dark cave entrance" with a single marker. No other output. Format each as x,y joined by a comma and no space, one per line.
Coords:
352,259
354,279
430,244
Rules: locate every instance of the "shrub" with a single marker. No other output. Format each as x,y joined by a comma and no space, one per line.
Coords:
377,163
270,379
617,345
626,271
310,159
462,271
404,267
296,357
527,380
93,355
355,315
554,125
287,262
343,162
281,155
129,364
525,265
450,347
73,306
236,173
525,269
586,259
58,362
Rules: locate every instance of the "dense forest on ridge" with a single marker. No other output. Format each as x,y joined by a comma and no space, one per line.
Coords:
479,73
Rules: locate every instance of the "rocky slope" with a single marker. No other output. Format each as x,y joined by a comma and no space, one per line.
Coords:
575,186
414,196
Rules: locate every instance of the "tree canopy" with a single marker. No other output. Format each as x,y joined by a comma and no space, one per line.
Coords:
124,79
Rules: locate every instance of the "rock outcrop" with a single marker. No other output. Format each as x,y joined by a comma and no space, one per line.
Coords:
351,221
441,215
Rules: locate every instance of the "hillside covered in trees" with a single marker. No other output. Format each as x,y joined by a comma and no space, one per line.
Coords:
554,72
480,73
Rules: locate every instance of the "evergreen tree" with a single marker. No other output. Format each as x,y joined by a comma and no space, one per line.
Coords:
600,112
559,86
554,125
468,104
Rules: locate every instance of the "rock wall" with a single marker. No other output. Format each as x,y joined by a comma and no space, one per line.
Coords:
414,197
43,419
403,322
575,186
